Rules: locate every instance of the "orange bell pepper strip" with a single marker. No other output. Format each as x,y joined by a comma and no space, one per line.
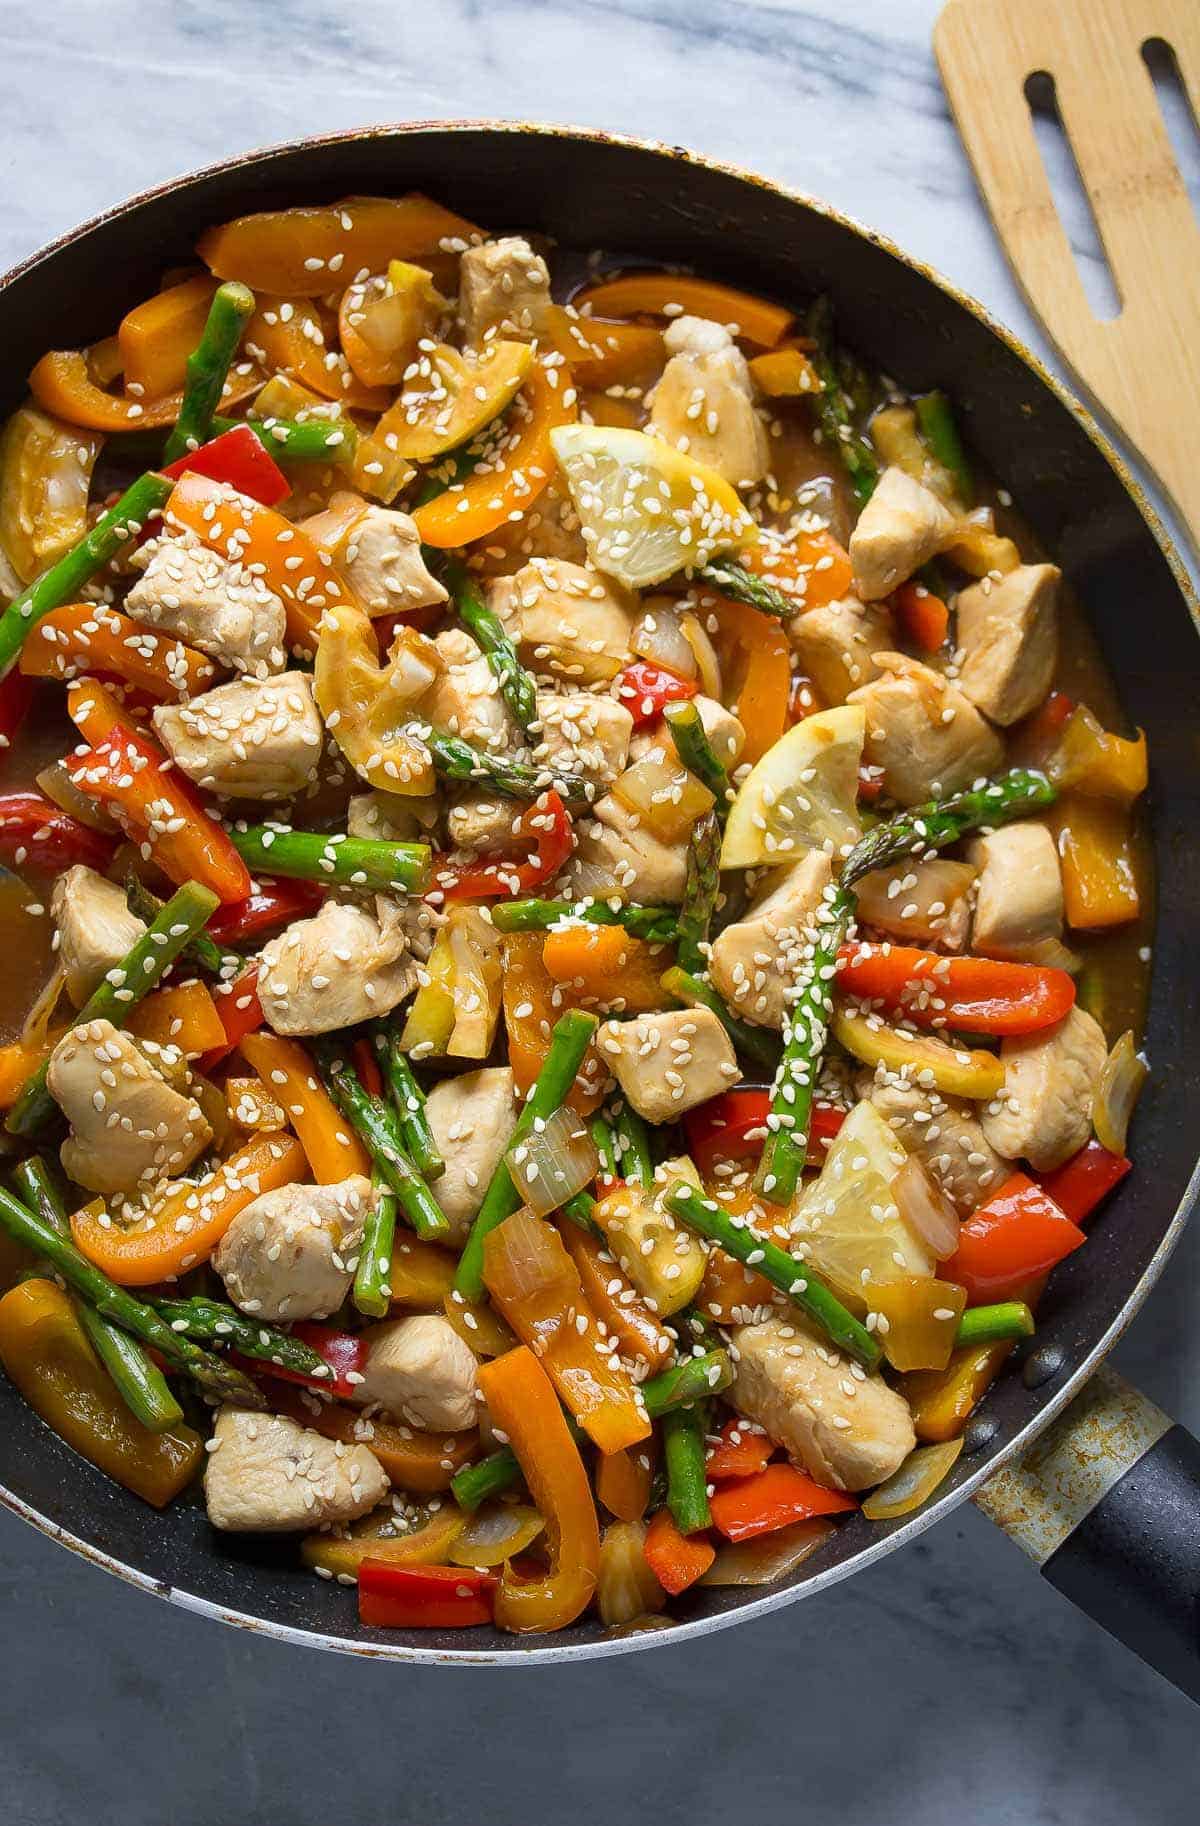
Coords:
942,1401
161,1250
183,1015
785,374
1096,852
671,294
286,559
18,1062
49,1358
333,1149
522,466
676,1560
628,1321
523,1405
606,966
286,336
740,1452
88,637
412,1460
155,806
1015,1235
923,618
756,666
62,386
972,993
811,567
772,1499
308,252
421,1274
535,1284
623,1481
157,336
533,1002
605,354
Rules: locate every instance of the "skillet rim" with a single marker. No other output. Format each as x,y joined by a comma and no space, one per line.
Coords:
677,1633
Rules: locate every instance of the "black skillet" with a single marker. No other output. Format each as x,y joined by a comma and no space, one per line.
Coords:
1133,1558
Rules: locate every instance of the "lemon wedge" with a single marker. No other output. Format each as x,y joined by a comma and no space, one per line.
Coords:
645,510
846,1223
802,795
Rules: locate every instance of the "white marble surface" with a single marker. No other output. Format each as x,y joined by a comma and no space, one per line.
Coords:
949,1684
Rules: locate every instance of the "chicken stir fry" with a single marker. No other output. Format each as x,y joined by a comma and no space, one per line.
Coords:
577,1001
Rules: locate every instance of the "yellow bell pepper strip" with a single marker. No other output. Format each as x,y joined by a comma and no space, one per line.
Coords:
921,1318
672,294
184,1016
157,336
421,1275
62,386
368,704
522,1403
785,373
45,479
186,1226
46,1353
607,967
533,1281
154,805
248,533
83,637
1091,760
287,336
1099,874
507,484
333,1150
942,1401
381,320
756,666
308,252
413,1460
342,1556
604,354
955,1070
623,1482
453,397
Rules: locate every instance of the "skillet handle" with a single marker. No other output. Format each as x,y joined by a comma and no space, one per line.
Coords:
1107,1503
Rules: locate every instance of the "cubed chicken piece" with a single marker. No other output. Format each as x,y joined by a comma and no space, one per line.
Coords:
756,962
923,903
251,739
1019,895
487,824
549,528
129,1127
392,817
472,1117
291,1253
569,622
845,1428
624,857
836,645
668,1063
1008,640
901,528
342,966
421,1370
95,928
581,732
381,561
466,697
944,1133
928,739
503,290
704,402
1044,1113
265,1474
224,609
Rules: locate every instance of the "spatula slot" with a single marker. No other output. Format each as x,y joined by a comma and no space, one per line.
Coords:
1179,116
1070,197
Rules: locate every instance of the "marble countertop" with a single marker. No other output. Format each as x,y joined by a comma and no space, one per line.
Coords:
949,1683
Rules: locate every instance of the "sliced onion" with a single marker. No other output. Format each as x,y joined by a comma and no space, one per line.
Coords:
626,1589
768,1557
707,663
914,1483
659,637
36,1025
58,785
1121,1079
495,1533
666,796
414,664
926,1209
918,900
554,1162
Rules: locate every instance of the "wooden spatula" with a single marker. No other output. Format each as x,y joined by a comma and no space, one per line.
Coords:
1143,365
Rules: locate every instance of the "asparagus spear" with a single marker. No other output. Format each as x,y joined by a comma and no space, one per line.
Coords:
517,688
579,1209
292,440
139,1382
379,1127
355,862
200,948
216,1322
697,752
943,821
568,1043
605,1143
700,892
144,964
207,367
757,1044
684,1455
372,1294
805,1025
936,419
791,1276
734,580
461,760
118,1305
657,924
994,1324
409,1100
64,580
833,407
633,1140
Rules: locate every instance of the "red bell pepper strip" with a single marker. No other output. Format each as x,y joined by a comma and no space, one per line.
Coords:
773,1499
240,1011
923,617
16,695
733,1126
270,904
238,458
740,1452
870,784
344,1351
676,1560
34,833
974,993
424,1597
367,1066
1018,1233
547,824
1082,1182
646,690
